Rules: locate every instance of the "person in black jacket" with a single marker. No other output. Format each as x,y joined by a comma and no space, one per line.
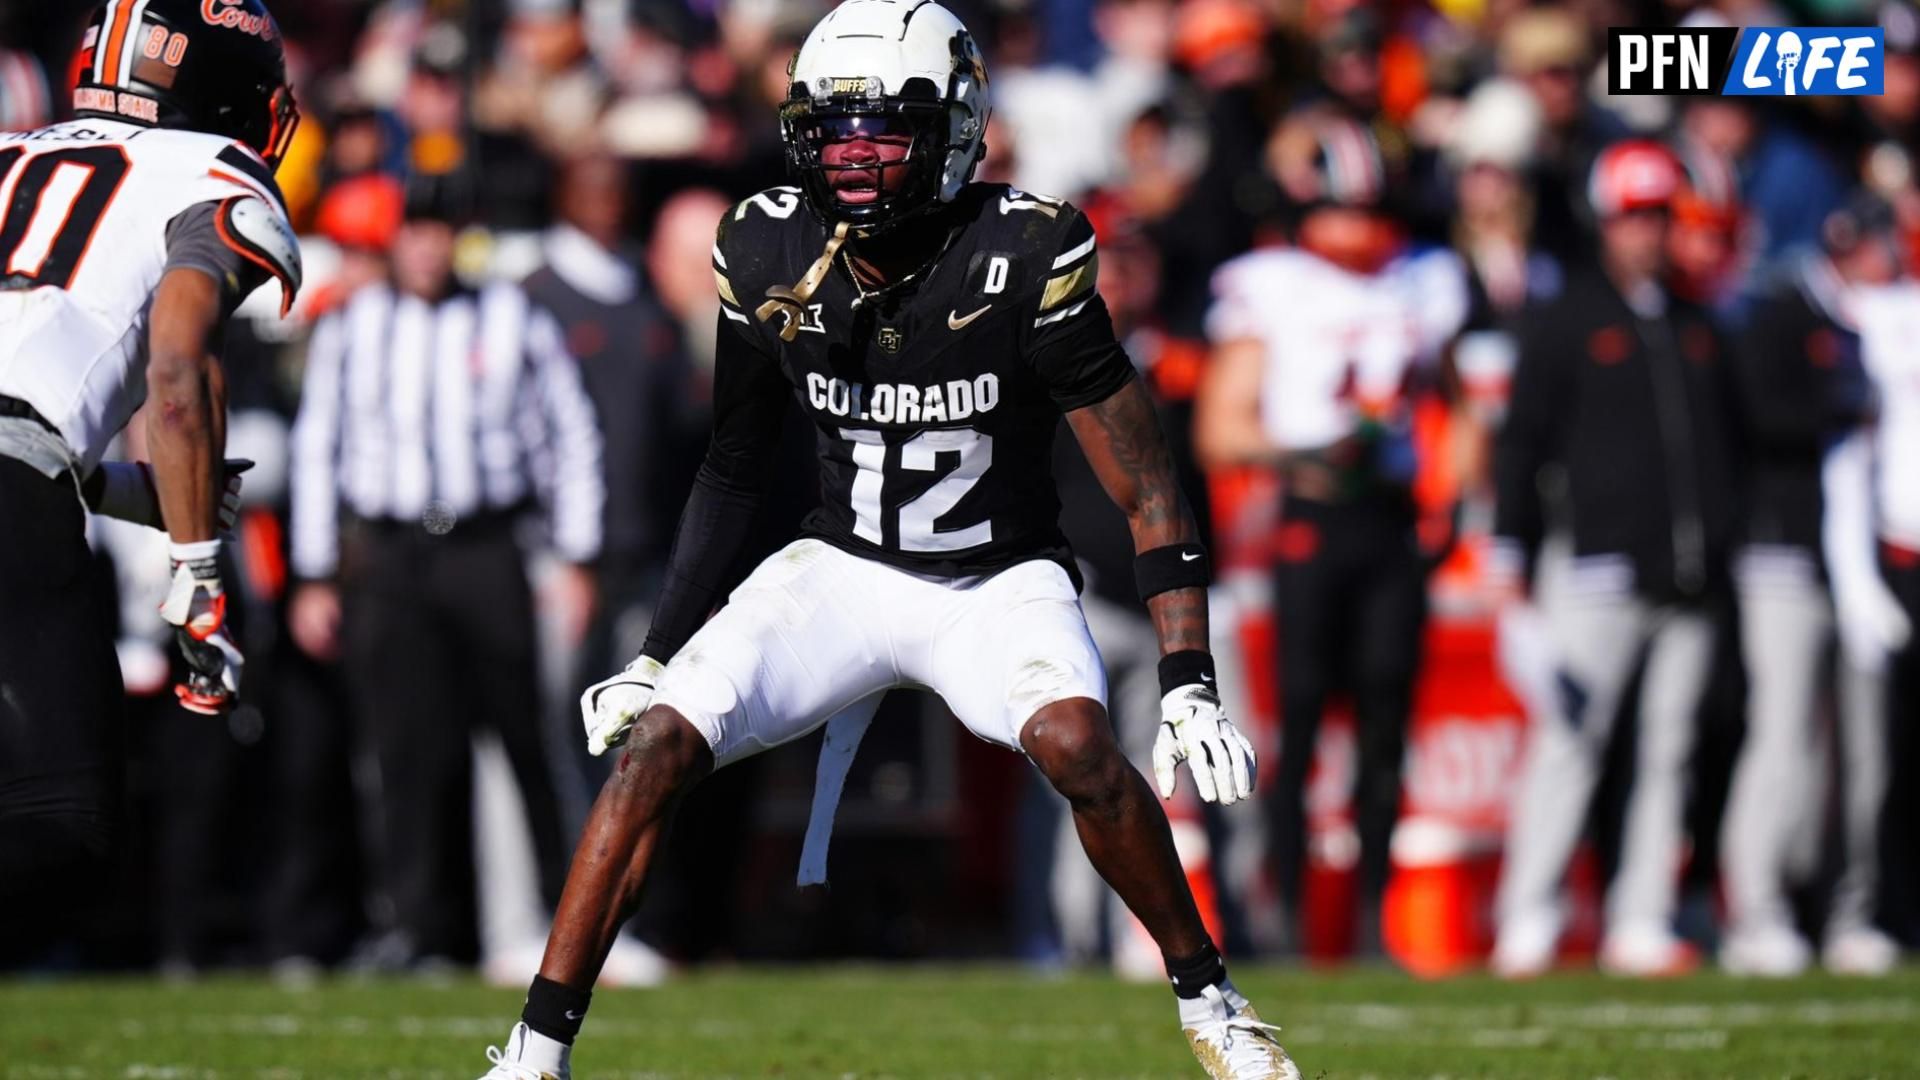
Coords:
1801,387
1619,391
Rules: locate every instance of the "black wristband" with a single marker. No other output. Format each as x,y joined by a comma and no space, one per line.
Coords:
1186,668
1176,566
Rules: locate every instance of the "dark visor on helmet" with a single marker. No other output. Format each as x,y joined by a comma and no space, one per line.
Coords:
821,129
878,127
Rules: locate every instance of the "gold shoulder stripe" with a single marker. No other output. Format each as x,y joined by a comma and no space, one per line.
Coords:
1071,284
726,288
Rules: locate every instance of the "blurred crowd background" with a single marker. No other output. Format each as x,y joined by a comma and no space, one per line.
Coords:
588,147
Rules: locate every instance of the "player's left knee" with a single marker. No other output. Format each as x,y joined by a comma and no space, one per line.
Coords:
1073,744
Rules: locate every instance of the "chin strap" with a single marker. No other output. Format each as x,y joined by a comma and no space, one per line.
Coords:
793,301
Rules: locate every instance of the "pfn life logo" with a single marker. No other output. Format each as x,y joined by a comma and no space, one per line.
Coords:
1774,61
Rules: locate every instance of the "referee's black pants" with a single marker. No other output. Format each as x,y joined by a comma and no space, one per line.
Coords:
61,719
438,636
1350,600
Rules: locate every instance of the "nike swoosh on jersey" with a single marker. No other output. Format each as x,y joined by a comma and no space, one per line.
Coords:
955,322
1189,558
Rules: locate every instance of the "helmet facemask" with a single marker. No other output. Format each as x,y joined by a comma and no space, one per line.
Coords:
905,187
285,121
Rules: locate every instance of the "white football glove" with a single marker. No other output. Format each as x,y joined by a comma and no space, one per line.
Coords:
196,606
1195,729
609,708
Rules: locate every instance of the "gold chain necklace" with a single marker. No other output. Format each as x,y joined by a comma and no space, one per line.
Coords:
846,259
853,274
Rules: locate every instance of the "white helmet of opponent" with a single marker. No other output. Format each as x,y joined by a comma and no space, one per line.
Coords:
910,62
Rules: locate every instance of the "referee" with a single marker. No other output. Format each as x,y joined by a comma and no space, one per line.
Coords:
433,419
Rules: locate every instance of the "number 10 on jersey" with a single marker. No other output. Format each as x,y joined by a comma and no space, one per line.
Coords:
917,517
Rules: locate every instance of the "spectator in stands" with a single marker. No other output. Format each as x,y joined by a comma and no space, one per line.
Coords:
1708,243
1549,51
1618,389
1787,182
680,266
1493,145
26,101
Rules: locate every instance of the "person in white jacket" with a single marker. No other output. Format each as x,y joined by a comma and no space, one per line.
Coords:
1871,533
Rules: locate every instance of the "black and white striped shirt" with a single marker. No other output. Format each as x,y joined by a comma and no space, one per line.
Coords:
467,406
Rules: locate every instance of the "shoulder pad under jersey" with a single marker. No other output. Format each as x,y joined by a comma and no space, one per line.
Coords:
262,234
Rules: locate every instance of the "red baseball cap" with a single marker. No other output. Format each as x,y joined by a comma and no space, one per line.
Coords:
1638,174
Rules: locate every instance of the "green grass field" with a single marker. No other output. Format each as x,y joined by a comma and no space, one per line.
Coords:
972,1023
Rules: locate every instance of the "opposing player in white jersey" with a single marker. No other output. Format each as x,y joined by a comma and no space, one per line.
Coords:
127,238
1319,387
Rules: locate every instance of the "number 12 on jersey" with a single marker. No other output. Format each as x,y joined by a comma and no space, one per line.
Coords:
916,518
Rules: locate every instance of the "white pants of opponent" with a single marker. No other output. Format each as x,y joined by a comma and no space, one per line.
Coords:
816,632
1600,629
1786,629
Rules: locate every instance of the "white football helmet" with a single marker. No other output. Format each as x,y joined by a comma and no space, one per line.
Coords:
907,64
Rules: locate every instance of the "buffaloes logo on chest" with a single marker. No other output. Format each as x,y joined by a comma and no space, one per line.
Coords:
890,339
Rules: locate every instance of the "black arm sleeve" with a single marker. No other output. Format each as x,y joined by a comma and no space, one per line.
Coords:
749,401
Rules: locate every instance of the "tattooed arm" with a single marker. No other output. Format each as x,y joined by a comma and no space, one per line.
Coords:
1123,442
1122,439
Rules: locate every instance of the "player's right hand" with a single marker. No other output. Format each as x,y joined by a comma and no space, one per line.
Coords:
1195,729
609,708
196,605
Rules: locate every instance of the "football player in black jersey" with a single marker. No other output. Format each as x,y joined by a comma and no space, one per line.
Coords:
935,330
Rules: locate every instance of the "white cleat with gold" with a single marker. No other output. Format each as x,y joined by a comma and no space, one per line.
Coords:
1230,1040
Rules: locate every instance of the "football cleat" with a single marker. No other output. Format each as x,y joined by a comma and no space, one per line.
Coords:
1865,951
1646,952
1527,946
1771,951
1230,1040
516,1061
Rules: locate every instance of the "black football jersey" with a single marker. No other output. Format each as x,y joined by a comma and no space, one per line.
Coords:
935,402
